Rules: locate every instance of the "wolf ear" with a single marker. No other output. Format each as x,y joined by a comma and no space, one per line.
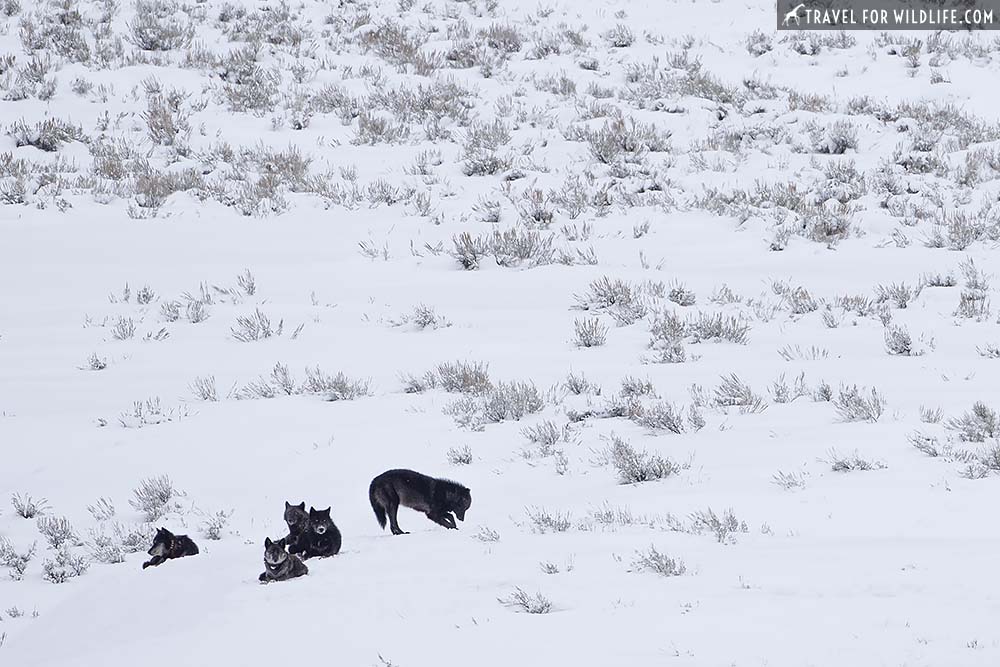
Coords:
302,506
267,542
327,510
287,505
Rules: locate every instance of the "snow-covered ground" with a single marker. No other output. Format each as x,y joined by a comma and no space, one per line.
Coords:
752,231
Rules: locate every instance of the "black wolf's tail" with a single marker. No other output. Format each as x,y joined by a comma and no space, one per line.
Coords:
376,505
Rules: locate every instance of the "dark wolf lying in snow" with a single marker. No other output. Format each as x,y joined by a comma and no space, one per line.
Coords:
311,534
166,545
297,519
437,498
322,537
279,565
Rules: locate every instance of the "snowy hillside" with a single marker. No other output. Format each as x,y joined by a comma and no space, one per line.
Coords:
703,314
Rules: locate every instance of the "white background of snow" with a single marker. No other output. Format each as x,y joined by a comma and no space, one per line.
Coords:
891,567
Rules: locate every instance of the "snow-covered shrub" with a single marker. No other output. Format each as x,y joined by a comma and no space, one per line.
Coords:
487,534
659,563
681,295
853,405
102,510
851,462
977,425
57,531
543,521
255,326
898,342
706,327
214,524
16,561
481,148
724,528
634,466
47,135
590,332
459,455
204,388
758,43
154,497
626,302
665,416
464,377
337,387
733,392
247,85
64,566
620,36
160,25
621,139
789,481
531,604
579,384
166,116
28,507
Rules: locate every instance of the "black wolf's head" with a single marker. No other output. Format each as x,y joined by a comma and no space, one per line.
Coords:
459,501
274,552
162,543
296,516
320,521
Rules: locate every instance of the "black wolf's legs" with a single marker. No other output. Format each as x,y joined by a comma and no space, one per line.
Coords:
391,509
445,519
155,560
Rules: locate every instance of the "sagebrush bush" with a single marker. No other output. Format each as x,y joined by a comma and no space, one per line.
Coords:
459,455
659,563
621,139
852,462
214,524
16,561
977,425
483,146
531,604
590,332
123,539
27,507
464,377
160,25
57,531
154,497
854,405
64,566
502,401
47,135
543,521
635,466
733,392
724,527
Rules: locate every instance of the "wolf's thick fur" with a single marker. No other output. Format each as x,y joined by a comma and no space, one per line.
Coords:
166,545
297,519
279,565
437,498
322,537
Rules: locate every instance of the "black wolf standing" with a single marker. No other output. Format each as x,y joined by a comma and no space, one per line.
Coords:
437,498
279,565
297,519
166,545
322,537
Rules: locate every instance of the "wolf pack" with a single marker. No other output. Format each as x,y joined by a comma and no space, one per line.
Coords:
313,534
